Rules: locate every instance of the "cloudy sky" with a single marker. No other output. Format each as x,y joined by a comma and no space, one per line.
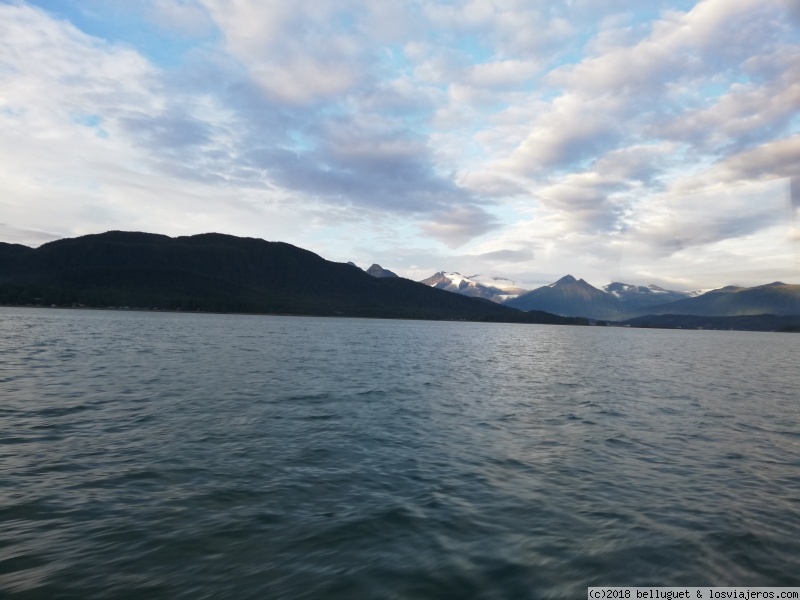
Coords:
520,138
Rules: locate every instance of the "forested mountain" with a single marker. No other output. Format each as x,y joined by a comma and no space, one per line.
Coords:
216,272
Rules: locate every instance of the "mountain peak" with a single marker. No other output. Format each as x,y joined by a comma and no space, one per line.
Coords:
569,296
378,271
496,289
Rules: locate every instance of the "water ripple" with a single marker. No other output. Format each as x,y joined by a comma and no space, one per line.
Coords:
198,456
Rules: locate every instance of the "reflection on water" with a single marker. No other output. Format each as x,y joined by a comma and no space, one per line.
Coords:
171,456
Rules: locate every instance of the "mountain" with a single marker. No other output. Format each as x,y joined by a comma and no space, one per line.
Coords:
570,297
775,298
510,288
377,271
633,297
222,273
496,289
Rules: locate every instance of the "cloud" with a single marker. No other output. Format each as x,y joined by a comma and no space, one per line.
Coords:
39,51
769,161
298,52
459,225
634,163
525,133
35,237
360,150
488,184
638,119
792,9
366,164
675,222
510,28
507,255
185,17
571,131
586,200
598,198
613,98
237,138
167,131
93,139
749,113
501,73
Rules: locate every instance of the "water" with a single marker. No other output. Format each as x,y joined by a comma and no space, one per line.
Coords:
152,455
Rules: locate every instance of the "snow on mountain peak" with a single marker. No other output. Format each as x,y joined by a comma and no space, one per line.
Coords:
497,289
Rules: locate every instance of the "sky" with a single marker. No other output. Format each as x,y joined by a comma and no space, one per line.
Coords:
651,142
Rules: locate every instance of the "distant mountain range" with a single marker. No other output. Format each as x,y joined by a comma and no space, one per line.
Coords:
496,289
776,298
620,301
557,295
571,298
223,273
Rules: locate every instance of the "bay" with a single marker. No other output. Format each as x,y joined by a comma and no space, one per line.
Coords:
168,455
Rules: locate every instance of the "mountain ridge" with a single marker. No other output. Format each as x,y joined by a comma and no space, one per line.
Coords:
236,274
618,301
775,298
222,273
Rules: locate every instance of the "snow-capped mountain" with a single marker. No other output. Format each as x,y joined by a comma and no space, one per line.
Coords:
696,293
637,296
496,289
512,288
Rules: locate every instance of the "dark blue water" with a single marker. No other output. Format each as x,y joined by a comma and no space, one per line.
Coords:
147,455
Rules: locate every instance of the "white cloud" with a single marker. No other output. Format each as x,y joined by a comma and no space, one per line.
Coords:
294,50
674,222
772,160
573,129
488,183
615,96
749,112
185,17
456,226
502,73
89,140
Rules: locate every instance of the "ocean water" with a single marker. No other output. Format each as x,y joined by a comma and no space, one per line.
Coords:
155,455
